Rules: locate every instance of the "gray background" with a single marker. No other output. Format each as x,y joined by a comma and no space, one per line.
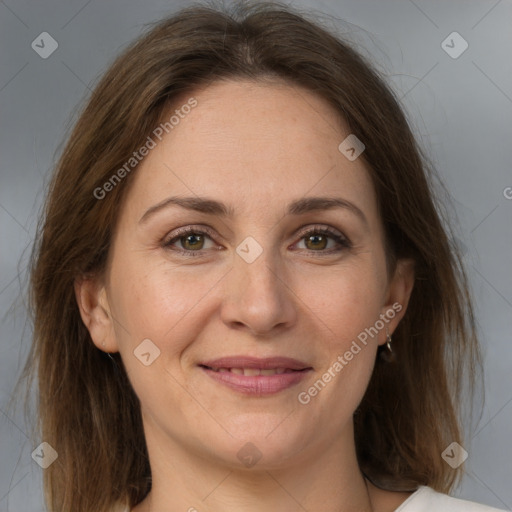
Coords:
460,110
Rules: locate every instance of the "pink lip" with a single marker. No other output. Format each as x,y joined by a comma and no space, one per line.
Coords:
257,384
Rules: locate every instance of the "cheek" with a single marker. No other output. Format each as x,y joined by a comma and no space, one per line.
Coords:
346,305
345,301
159,302
162,306
346,310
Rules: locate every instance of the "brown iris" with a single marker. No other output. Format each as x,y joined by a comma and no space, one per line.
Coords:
316,237
194,239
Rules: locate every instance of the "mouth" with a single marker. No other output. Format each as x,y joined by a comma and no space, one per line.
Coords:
256,376
252,372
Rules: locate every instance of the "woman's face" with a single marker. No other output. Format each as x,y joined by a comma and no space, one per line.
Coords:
251,281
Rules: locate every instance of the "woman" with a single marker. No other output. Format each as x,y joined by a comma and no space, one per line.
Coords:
244,296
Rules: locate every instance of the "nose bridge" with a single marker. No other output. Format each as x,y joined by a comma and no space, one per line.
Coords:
258,297
260,275
256,270
257,256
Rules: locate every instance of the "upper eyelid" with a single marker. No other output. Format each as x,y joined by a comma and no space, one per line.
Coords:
320,227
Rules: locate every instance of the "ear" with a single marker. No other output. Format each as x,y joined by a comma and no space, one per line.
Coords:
398,295
92,300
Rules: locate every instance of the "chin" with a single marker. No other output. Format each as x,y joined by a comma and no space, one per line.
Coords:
267,443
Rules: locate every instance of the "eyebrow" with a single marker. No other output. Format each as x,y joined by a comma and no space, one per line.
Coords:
213,207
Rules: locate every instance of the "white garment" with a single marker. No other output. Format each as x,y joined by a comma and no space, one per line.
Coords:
425,499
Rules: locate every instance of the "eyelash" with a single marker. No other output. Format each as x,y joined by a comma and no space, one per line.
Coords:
342,241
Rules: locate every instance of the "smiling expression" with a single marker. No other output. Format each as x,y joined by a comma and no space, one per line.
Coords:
247,236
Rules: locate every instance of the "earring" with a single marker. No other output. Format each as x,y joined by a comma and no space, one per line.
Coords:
388,355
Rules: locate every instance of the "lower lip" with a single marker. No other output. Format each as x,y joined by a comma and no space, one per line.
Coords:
257,384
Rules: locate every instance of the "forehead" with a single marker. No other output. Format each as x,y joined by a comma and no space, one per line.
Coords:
251,143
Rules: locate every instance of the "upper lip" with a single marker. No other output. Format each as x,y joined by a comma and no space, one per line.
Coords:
255,362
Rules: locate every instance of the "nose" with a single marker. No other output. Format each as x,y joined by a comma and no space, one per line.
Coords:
258,297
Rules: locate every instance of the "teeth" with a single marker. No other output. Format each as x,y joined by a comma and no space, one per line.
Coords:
252,372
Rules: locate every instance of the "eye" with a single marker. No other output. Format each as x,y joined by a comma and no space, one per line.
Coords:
191,239
317,239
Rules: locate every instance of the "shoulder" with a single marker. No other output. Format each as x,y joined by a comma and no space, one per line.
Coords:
426,499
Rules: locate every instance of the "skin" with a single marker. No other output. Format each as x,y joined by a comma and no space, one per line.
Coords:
256,147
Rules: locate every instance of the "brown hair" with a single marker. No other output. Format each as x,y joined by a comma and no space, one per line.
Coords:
87,409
